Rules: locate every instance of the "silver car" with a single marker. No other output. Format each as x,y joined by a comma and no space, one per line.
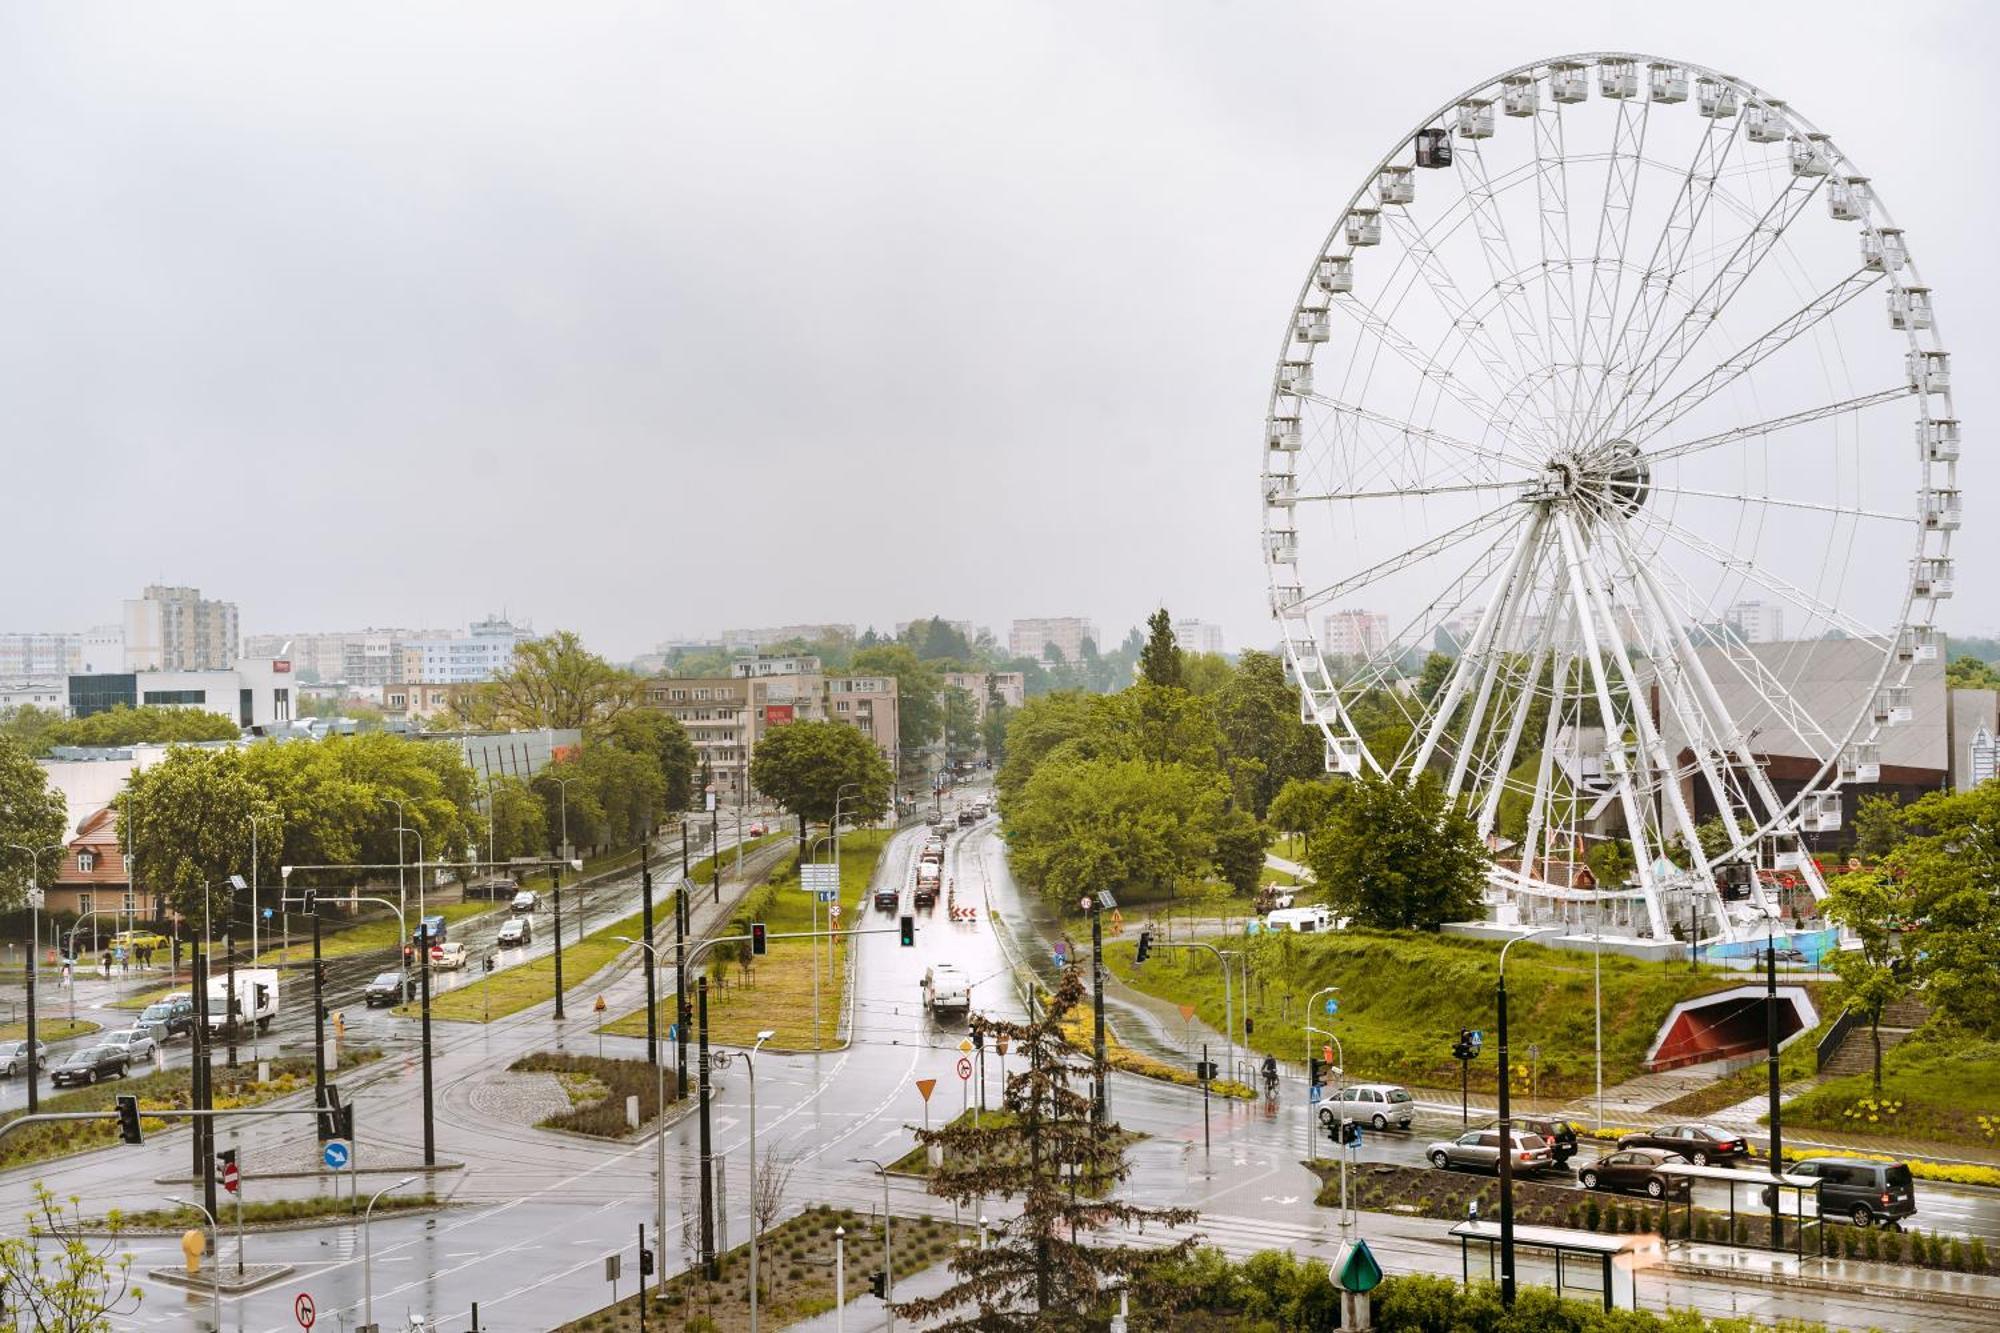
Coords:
137,1042
14,1057
1479,1149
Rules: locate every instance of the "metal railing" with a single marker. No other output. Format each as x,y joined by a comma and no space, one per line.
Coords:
1830,1043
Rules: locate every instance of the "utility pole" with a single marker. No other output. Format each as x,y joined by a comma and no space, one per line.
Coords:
680,986
319,1006
555,894
229,974
1771,1060
715,850
709,1264
424,974
1099,1100
646,929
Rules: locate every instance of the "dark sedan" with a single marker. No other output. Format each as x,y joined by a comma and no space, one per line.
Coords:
1704,1145
1636,1171
88,1066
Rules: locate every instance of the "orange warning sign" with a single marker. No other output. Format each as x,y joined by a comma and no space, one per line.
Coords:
924,1086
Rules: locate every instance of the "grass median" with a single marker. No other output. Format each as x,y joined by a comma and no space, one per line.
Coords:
269,1212
381,935
512,989
49,1030
776,993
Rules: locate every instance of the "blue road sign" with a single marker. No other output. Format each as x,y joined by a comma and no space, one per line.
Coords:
336,1155
1313,1093
673,1032
269,913
826,895
1333,1006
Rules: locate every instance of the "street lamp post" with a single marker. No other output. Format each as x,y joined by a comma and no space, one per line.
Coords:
1312,1145
34,942
750,1064
255,820
423,956
1507,1127
215,1254
1771,1063
659,1128
368,1254
402,895
1339,1112
888,1264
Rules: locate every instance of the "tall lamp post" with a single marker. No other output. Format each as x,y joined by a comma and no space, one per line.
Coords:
423,955
888,1265
34,856
750,1063
215,1252
1312,1145
368,1255
659,1127
1507,1126
402,897
1771,1063
255,820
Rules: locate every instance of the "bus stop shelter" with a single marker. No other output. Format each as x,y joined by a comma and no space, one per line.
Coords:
1586,1262
1797,1187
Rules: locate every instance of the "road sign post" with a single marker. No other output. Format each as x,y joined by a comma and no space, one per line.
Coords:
303,1311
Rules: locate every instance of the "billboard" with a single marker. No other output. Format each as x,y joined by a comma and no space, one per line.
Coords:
777,715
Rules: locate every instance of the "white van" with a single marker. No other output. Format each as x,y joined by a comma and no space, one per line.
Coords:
947,990
1305,920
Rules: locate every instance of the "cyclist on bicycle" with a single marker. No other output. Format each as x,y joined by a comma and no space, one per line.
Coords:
1271,1074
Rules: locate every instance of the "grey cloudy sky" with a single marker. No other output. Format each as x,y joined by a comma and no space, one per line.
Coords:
668,317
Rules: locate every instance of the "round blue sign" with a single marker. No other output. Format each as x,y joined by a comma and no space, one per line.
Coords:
336,1155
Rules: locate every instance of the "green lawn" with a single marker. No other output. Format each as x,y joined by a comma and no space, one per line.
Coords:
48,1029
778,992
512,989
1934,1088
371,936
1405,996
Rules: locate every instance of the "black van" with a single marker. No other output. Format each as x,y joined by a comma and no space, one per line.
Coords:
1865,1193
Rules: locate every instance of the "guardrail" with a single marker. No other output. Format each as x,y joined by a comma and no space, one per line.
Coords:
1829,1044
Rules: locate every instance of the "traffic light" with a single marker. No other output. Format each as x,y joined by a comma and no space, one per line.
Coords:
1467,1046
1249,1025
878,1283
1145,945
645,1263
757,942
1316,1071
909,929
331,1115
128,1120
312,901
978,1039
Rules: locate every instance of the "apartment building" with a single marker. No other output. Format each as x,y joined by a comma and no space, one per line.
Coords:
177,629
1011,686
1198,636
726,716
1034,637
45,692
484,651
40,655
768,636
871,704
1355,633
715,711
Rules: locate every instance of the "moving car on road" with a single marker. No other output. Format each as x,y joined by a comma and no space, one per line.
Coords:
1378,1104
1479,1149
1704,1145
527,900
946,990
14,1057
136,1042
1560,1134
129,940
1637,1170
886,896
1859,1190
448,957
89,1065
385,990
514,932
173,1016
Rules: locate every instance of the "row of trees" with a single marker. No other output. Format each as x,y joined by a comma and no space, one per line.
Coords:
1158,786
42,729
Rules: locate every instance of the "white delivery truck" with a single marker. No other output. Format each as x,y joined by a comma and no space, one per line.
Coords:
256,999
947,990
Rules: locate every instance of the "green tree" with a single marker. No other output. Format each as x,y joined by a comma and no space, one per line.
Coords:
803,767
961,722
1875,975
1970,673
1205,674
152,724
520,821
1258,713
661,738
28,726
1950,865
1878,826
1400,857
1240,843
572,805
32,814
1050,1264
63,1277
1160,658
918,685
1139,829
187,821
1039,726
552,682
1437,670
935,640
630,791
1302,805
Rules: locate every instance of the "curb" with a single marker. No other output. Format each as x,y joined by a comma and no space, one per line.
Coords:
1814,1282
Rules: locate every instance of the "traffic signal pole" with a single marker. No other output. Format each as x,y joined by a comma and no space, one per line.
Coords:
646,929
680,985
710,1268
1100,1103
319,1008
424,975
555,894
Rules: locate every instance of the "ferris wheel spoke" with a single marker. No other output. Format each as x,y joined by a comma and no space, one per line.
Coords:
1658,369
1738,363
1847,511
1375,670
1412,493
1410,431
1449,381
1437,545
1831,616
1737,434
1552,216
1490,225
1498,612
1614,228
1670,250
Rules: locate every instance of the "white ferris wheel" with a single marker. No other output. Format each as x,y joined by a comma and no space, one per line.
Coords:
1616,383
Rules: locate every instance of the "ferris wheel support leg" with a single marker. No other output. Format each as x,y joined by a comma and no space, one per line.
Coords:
1489,811
1481,637
1649,737
1628,799
1535,845
1517,598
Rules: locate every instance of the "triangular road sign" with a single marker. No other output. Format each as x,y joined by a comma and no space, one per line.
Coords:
924,1086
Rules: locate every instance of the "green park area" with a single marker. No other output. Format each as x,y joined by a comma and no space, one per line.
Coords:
748,994
1404,996
49,1030
1937,1087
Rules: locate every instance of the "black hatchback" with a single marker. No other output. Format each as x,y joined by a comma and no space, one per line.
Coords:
1865,1193
89,1065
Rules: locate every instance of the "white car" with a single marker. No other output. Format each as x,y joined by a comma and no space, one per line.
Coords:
514,933
448,957
137,1043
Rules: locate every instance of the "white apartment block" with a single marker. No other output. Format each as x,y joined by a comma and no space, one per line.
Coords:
484,651
1198,636
744,668
177,629
1756,622
1355,633
1034,637
1011,686
39,655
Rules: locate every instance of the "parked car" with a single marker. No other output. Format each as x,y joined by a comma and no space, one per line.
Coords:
1559,1134
526,900
129,940
1479,1149
385,990
173,1016
1378,1104
1861,1191
515,932
89,1065
1637,1170
136,1041
1704,1145
448,957
1307,920
14,1057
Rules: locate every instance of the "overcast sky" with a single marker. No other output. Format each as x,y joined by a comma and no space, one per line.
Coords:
658,319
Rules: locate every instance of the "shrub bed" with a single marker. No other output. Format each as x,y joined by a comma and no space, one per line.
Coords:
614,1080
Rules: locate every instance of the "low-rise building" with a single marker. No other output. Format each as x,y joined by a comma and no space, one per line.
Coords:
93,883
47,693
726,716
251,694
1010,686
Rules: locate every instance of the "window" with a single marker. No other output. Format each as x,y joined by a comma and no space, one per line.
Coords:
86,861
176,698
83,906
840,707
